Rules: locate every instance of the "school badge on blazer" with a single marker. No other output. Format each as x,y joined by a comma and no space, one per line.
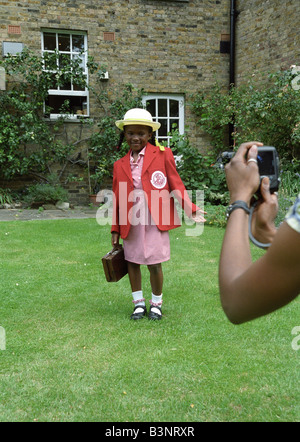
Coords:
158,179
114,264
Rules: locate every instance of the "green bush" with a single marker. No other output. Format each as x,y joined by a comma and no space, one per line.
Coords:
216,215
263,109
27,141
5,197
39,194
198,171
30,144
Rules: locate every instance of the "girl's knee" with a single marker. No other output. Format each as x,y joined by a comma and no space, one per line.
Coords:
133,266
154,268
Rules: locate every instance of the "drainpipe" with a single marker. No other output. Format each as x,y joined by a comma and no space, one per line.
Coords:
233,15
232,41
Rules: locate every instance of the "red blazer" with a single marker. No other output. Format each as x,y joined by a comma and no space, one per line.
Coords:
159,179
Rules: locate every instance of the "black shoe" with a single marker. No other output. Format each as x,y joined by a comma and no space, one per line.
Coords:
155,313
139,312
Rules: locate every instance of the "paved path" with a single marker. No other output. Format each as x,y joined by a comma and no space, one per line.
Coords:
30,214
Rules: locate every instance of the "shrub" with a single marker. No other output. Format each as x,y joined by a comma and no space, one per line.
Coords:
43,193
269,113
216,215
198,171
27,141
5,197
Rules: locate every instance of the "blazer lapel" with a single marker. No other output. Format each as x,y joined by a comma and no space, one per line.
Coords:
126,165
150,155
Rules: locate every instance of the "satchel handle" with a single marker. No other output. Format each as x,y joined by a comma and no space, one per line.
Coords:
117,246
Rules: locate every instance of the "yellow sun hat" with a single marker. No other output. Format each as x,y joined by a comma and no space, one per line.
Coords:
139,117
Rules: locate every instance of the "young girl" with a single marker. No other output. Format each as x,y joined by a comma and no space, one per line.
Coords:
144,208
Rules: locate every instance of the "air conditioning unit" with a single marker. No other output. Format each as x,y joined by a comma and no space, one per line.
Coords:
11,48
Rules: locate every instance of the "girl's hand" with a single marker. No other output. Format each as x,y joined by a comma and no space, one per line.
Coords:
241,174
115,239
197,217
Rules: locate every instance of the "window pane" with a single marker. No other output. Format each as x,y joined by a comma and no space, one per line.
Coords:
80,60
50,61
63,67
64,42
162,108
53,80
174,124
64,60
65,85
63,104
49,42
161,139
170,113
163,131
78,43
174,108
150,105
79,84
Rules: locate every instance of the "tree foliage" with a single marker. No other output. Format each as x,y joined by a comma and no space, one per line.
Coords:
28,142
267,111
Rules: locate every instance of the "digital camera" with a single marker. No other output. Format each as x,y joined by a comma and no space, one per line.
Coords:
267,161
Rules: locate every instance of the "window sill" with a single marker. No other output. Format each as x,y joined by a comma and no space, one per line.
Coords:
68,118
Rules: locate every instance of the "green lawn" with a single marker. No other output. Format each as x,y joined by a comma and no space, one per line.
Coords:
72,354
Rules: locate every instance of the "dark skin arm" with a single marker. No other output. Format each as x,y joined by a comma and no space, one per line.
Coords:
250,290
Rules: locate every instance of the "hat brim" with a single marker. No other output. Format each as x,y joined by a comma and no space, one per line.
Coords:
121,123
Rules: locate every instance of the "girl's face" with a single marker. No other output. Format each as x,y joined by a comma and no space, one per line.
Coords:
137,136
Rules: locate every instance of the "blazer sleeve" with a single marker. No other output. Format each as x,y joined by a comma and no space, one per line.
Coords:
176,185
115,217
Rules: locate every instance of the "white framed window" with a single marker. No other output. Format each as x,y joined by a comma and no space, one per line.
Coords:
59,48
168,110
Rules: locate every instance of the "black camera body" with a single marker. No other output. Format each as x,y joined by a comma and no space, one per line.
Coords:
267,161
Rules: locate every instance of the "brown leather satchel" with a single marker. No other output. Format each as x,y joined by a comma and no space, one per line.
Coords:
114,264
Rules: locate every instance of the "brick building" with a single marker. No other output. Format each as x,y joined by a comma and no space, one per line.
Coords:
267,36
170,48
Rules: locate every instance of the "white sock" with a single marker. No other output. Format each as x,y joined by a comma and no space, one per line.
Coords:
138,299
156,299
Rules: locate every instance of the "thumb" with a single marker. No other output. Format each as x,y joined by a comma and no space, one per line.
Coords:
265,188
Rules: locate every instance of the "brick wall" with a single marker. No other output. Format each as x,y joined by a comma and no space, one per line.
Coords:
267,37
165,46
160,46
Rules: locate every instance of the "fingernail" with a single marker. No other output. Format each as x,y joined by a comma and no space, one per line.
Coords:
266,182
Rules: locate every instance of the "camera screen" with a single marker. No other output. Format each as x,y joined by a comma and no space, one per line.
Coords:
266,163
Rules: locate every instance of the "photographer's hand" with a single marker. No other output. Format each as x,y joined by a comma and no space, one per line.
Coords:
263,227
249,289
241,174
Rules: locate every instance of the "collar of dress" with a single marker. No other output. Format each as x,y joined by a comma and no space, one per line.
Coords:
142,152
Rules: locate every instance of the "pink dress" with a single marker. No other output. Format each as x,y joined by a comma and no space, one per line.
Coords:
145,244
